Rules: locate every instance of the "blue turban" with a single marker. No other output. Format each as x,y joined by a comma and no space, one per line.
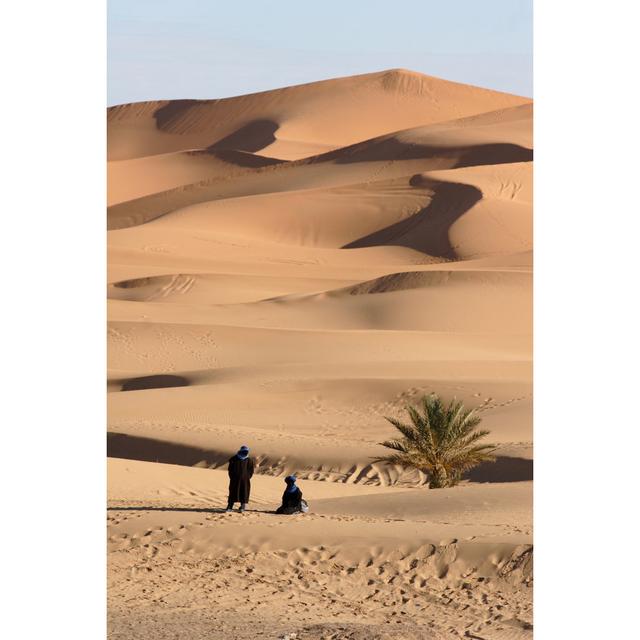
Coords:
243,453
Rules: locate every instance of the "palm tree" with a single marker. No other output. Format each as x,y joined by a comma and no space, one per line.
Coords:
441,441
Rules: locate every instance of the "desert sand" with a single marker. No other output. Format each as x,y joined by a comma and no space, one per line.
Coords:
285,269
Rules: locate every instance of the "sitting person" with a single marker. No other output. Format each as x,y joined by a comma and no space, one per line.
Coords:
292,501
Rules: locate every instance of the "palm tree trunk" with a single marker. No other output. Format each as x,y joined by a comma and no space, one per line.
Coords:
438,478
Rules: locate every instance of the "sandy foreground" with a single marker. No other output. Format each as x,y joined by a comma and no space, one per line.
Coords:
285,269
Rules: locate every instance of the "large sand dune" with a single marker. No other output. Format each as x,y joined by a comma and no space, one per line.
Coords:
298,121
286,269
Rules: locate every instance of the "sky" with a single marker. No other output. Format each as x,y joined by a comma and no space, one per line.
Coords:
167,49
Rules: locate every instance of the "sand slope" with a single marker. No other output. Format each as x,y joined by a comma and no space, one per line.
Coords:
434,566
286,269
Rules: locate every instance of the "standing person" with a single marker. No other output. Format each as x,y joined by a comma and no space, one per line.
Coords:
292,501
240,472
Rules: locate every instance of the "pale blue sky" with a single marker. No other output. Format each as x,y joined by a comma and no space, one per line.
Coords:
164,49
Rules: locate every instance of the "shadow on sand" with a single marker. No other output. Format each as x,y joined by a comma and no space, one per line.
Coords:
428,230
504,469
186,509
252,137
391,149
122,445
154,382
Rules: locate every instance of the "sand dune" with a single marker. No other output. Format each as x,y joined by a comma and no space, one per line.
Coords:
139,177
285,270
403,153
420,212
298,121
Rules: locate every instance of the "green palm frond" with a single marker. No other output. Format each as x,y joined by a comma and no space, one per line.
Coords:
396,445
441,440
404,429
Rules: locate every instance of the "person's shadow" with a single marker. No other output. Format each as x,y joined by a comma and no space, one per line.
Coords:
187,509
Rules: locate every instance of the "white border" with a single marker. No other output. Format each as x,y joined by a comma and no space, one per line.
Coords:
586,322
53,320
